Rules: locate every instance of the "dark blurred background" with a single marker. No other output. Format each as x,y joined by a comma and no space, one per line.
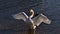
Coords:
9,25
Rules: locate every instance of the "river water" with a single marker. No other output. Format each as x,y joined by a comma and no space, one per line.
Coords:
9,25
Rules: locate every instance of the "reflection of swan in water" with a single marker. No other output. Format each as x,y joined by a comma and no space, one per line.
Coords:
32,22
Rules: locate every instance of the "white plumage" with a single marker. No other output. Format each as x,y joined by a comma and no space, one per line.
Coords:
32,22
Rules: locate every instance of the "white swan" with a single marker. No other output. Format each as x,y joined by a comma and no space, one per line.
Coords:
32,22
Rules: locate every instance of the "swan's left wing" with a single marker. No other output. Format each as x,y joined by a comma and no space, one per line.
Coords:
20,15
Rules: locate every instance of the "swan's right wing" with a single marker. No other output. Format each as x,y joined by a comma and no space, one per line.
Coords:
37,20
20,15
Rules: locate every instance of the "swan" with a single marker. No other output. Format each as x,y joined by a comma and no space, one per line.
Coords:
32,22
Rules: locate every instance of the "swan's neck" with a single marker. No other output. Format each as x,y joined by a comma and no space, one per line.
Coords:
32,13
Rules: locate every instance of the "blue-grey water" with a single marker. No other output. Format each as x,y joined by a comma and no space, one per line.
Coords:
50,8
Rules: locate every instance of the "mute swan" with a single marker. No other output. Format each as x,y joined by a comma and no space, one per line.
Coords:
32,22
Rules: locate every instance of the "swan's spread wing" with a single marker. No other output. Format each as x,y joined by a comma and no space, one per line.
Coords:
21,15
37,20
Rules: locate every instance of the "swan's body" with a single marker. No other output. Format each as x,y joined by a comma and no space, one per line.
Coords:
32,22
